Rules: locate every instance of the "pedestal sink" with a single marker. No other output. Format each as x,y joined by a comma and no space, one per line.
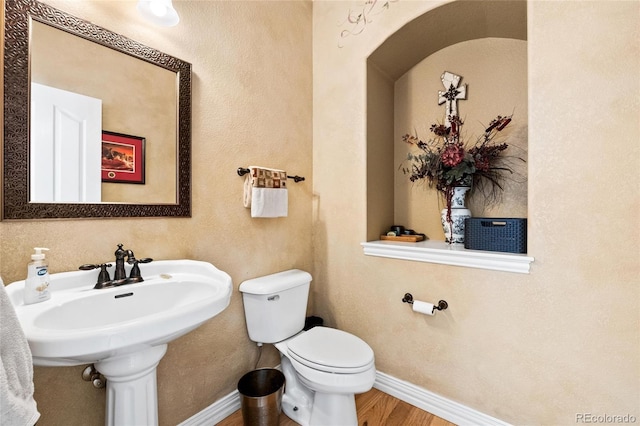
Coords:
123,330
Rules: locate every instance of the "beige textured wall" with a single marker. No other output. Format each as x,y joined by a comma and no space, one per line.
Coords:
251,105
527,349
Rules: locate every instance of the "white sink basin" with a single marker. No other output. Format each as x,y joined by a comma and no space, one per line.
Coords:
82,325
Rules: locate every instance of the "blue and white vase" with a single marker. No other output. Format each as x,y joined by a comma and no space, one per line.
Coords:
454,228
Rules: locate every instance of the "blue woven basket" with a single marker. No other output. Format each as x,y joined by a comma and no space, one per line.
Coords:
496,234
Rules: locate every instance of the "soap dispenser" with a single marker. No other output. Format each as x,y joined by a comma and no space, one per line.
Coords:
36,287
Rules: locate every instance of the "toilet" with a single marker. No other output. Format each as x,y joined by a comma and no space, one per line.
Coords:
323,367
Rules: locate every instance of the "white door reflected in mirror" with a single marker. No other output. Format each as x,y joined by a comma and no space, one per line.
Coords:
66,136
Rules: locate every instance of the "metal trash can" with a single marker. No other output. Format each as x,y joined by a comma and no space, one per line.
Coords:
261,396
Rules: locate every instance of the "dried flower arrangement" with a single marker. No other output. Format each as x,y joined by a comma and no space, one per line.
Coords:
446,162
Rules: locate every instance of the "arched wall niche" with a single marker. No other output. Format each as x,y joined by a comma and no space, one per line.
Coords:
439,28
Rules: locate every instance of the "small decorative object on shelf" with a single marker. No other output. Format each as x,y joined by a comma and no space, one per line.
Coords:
454,216
399,233
454,167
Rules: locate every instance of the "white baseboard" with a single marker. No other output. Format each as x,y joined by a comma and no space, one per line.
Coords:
216,412
440,406
435,404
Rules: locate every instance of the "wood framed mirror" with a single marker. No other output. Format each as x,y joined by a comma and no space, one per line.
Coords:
24,20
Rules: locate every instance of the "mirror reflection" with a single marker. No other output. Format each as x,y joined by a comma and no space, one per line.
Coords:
80,89
95,124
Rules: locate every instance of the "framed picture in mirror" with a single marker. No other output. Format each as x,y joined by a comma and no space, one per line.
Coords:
122,158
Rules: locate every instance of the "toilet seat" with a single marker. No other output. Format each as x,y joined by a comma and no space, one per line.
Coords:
331,350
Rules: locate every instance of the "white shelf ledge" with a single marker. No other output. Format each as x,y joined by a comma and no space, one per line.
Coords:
449,254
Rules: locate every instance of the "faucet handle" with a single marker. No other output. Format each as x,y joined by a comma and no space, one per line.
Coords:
131,260
135,271
103,275
88,267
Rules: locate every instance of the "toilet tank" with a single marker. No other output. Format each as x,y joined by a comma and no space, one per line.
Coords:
275,305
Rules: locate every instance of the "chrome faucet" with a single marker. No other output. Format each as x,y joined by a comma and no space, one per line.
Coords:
120,275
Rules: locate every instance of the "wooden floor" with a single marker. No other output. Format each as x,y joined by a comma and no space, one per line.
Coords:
375,408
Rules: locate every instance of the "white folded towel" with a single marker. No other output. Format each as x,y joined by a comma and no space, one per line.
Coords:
265,191
17,406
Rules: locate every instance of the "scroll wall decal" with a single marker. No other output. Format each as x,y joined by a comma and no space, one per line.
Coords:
358,18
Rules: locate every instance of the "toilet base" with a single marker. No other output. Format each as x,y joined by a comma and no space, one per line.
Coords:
334,409
325,409
312,408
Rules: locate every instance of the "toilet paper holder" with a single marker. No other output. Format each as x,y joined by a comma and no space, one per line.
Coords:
441,306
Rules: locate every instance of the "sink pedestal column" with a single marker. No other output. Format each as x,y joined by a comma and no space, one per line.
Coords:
132,393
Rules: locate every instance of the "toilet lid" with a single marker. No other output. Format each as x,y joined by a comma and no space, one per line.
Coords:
329,349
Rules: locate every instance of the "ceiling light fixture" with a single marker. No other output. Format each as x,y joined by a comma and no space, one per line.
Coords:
160,12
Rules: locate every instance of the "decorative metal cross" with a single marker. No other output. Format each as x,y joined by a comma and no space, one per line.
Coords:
450,81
